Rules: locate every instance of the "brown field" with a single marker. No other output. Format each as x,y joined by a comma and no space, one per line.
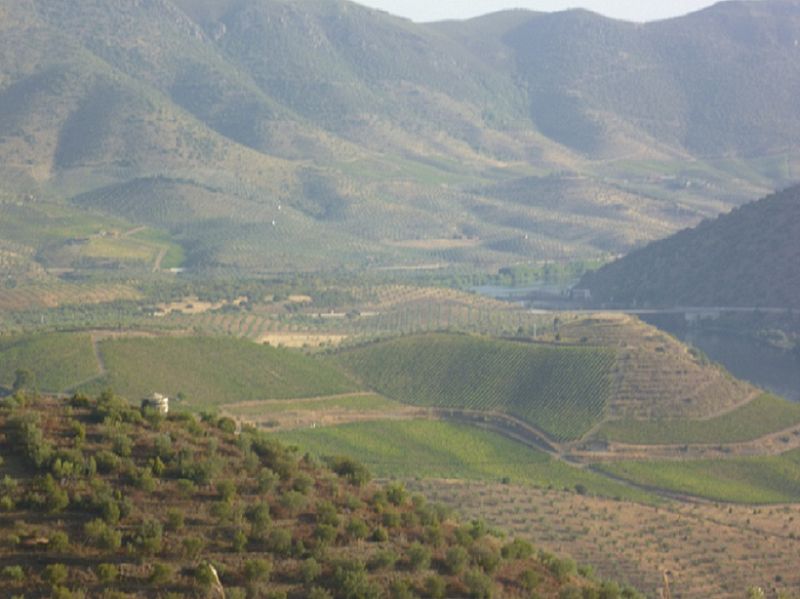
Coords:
301,339
435,244
57,294
193,305
709,550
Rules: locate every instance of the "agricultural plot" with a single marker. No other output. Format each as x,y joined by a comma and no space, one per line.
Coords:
57,361
561,390
751,480
357,402
54,294
762,416
213,371
430,449
710,550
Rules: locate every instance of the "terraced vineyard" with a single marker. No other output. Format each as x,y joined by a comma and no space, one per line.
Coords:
561,390
657,377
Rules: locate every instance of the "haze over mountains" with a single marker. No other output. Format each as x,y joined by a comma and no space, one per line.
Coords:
268,135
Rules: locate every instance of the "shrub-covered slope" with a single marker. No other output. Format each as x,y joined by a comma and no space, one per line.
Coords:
97,498
748,258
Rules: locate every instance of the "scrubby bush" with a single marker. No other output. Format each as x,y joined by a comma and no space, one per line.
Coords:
310,570
193,547
161,574
357,529
175,520
148,538
401,589
380,535
102,536
325,533
226,490
257,570
479,585
419,556
326,513
59,542
351,582
396,494
348,468
13,573
319,593
517,549
435,587
279,542
383,560
55,574
485,556
106,573
456,559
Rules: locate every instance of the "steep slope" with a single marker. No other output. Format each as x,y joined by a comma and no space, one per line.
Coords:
748,258
98,497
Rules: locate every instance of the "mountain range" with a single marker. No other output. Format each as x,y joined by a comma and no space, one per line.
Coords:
271,135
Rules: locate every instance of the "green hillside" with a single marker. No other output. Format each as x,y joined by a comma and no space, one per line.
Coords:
747,258
561,390
100,499
57,361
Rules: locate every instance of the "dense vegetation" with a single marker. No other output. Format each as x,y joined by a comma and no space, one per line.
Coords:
562,390
116,502
748,258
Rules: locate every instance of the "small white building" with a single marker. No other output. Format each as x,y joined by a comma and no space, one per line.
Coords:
156,402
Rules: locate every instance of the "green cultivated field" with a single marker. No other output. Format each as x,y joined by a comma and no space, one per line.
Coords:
762,416
429,449
738,480
561,390
213,371
57,360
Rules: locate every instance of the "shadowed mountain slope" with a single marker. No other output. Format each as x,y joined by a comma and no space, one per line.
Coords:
748,258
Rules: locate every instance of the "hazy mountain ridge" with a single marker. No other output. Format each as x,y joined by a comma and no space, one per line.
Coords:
748,258
404,123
